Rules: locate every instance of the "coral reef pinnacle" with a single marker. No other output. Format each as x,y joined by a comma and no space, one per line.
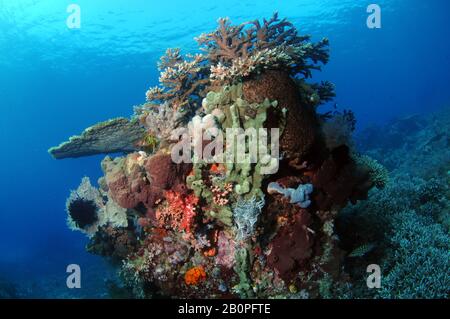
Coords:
221,225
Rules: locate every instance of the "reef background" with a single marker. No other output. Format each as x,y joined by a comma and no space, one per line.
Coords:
54,82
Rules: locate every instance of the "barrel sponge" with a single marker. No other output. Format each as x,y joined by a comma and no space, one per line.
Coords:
301,119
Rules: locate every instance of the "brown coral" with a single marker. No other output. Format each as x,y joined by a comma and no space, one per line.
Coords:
274,38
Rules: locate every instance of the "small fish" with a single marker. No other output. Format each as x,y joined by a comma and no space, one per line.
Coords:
362,250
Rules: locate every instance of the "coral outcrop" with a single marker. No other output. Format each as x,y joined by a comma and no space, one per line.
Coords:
209,213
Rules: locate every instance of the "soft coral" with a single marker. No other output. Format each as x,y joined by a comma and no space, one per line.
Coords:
179,212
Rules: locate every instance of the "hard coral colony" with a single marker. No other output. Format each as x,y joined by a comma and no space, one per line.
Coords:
216,230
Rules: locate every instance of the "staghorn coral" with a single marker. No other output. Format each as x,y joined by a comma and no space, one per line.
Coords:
237,51
182,80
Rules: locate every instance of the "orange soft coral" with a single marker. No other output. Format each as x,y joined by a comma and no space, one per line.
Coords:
194,275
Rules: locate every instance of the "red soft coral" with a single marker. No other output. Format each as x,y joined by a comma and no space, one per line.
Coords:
178,212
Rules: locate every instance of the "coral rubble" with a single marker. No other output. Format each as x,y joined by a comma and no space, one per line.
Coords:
220,226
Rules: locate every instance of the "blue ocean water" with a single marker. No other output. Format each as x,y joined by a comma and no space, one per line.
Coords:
55,81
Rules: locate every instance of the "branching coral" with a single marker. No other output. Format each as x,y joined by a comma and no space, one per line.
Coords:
237,51
379,175
325,91
181,80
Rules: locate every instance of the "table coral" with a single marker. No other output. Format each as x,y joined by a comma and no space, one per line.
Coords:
112,136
